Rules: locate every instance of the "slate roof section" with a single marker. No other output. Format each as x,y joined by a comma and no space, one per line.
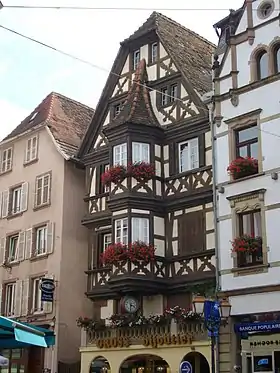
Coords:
137,108
191,53
67,119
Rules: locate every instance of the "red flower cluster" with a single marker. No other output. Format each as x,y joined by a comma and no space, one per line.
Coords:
246,243
134,252
114,174
242,167
141,171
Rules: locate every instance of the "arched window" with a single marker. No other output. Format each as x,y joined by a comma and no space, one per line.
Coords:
276,59
262,65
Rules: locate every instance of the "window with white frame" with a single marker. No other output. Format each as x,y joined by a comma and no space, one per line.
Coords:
107,240
16,200
41,240
140,152
188,155
135,59
42,192
10,293
140,229
13,242
120,154
31,149
173,92
154,52
37,304
164,96
121,231
6,160
106,187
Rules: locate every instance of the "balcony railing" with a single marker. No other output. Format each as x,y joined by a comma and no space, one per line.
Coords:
191,182
171,333
151,277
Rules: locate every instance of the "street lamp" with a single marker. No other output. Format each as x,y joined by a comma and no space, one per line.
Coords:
214,313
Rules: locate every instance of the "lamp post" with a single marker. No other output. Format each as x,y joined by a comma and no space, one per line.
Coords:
214,313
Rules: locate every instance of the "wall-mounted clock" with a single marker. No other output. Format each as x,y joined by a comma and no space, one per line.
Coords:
130,304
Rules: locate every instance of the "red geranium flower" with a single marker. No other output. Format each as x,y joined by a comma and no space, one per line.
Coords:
242,167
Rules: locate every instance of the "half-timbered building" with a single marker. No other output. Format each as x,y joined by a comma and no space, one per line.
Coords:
149,185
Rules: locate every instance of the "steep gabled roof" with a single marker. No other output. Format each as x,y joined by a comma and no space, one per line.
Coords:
191,53
137,107
66,119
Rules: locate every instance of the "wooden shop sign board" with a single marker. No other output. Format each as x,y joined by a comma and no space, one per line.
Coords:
152,341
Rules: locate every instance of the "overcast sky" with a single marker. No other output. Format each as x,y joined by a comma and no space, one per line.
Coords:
28,71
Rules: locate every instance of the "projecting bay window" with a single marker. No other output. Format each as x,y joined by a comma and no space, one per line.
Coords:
120,154
121,231
140,230
140,152
188,155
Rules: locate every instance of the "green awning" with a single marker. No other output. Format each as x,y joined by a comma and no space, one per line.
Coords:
15,334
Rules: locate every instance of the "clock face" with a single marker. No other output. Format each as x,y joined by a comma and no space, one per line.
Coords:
131,305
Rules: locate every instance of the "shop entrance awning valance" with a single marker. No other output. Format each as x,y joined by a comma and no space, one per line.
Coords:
15,334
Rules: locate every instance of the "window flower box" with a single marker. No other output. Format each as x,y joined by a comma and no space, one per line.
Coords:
87,323
135,252
115,174
242,167
246,244
141,171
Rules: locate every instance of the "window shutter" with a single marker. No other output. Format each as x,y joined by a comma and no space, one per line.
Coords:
194,153
50,237
191,233
24,197
34,148
28,243
1,196
25,297
5,204
1,300
48,306
21,246
18,298
3,249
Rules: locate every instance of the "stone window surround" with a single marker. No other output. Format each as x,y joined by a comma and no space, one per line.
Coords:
239,122
253,61
261,7
241,203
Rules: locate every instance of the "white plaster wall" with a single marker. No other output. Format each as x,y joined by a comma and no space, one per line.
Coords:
255,303
256,20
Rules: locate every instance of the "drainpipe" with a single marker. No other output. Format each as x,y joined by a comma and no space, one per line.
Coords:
215,213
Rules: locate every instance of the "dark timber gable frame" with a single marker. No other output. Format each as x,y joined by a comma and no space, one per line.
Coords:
176,199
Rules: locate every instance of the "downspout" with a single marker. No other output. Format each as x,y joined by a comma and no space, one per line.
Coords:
215,213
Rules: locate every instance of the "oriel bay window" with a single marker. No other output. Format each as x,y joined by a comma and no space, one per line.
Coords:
140,152
120,154
188,155
140,230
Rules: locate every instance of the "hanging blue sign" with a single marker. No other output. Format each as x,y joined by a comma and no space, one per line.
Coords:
185,367
47,287
267,326
212,317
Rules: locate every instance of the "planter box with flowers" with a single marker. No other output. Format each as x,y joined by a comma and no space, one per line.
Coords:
135,252
141,171
89,324
242,167
247,248
115,174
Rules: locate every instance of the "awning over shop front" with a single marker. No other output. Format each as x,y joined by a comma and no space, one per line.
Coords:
15,334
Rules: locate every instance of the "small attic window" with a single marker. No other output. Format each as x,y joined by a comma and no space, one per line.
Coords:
265,9
33,116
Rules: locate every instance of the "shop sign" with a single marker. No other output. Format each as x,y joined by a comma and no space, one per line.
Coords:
265,343
47,287
113,342
166,339
257,327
